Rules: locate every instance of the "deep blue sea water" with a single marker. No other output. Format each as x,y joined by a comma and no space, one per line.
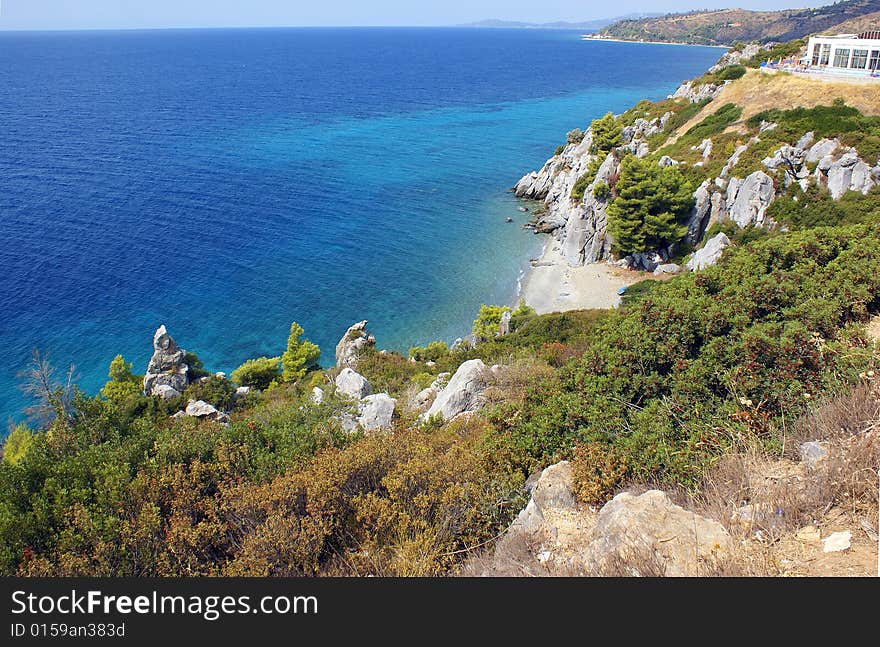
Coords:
228,182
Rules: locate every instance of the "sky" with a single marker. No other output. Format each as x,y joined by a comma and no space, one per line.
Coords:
134,14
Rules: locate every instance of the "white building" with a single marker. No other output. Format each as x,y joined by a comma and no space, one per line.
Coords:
847,54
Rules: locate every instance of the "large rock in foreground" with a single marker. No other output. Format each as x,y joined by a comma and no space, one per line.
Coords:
463,394
352,384
376,411
166,374
355,340
631,529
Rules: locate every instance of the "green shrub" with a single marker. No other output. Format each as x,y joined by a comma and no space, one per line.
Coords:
123,383
487,323
195,367
702,361
602,191
17,443
433,352
213,390
258,373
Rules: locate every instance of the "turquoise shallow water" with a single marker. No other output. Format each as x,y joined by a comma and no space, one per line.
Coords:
225,183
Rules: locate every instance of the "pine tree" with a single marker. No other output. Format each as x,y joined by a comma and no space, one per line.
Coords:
607,134
300,357
650,204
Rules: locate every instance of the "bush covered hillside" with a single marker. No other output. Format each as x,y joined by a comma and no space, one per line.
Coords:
728,26
418,465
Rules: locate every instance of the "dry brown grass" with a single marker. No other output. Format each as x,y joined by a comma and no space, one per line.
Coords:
757,92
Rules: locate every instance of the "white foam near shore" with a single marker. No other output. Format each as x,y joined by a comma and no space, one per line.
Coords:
552,285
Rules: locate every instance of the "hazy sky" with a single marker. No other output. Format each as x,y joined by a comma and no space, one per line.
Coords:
85,14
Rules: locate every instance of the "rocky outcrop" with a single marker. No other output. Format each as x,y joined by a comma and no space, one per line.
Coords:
352,384
748,199
166,375
846,173
355,340
463,394
696,93
736,57
649,526
709,254
584,238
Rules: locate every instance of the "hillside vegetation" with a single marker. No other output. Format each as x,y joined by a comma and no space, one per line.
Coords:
733,364
728,26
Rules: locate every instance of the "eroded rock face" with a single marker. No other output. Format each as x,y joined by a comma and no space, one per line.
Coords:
463,394
167,369
352,384
748,199
651,525
709,254
355,340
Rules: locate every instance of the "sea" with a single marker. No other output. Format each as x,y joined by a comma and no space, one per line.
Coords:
228,182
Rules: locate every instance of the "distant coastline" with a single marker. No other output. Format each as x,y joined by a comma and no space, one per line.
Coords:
589,37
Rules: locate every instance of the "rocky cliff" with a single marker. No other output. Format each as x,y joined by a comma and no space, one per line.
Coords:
728,191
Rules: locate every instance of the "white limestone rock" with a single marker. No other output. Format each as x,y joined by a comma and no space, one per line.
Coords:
352,384
709,254
376,411
463,394
167,366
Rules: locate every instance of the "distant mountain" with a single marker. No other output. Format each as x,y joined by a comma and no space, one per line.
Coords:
586,25
725,26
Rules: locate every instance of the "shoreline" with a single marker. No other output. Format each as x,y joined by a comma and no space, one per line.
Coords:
552,285
652,42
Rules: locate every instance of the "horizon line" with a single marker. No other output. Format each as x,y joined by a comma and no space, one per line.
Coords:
472,25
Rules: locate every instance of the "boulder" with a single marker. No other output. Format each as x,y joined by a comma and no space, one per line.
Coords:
463,394
666,161
167,366
202,409
530,518
376,411
242,391
352,384
840,174
813,453
667,268
650,525
165,392
353,342
422,400
709,254
699,215
553,489
837,542
317,395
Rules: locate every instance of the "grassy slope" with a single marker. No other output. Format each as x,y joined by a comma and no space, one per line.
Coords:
757,92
